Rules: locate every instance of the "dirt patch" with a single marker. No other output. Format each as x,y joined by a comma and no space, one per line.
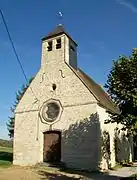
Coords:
18,173
49,173
27,173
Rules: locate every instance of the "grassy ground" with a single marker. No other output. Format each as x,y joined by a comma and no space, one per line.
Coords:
5,143
116,167
134,177
6,156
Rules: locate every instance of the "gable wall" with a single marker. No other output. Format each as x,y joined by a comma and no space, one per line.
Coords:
78,104
70,90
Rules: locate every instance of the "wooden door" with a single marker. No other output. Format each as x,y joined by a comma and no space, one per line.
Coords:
52,146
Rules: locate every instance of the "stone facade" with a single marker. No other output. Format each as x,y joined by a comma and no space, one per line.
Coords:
124,146
81,121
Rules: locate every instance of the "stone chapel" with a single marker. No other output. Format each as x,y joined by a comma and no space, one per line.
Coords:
63,119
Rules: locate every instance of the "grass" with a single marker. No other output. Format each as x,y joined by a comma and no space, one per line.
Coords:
5,149
120,165
6,156
116,167
5,143
133,177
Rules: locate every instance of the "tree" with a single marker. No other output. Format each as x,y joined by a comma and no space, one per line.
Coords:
122,87
11,120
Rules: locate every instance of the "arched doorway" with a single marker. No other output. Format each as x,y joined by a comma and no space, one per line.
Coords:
52,146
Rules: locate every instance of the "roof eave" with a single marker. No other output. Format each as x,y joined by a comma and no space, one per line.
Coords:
55,35
114,111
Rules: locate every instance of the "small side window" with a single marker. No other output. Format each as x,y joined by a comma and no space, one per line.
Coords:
72,48
50,46
54,87
58,45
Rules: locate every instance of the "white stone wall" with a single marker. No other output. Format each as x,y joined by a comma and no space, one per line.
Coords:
57,57
103,115
80,136
125,146
26,146
78,104
70,90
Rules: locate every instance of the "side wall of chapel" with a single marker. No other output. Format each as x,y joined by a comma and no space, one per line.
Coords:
122,150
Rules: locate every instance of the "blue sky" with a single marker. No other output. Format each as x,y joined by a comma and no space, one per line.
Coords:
103,29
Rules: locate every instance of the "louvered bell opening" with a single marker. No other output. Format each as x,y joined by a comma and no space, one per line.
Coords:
58,45
49,46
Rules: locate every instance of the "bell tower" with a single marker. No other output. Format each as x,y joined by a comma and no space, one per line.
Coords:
58,47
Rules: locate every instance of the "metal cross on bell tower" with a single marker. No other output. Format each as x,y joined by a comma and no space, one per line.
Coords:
60,15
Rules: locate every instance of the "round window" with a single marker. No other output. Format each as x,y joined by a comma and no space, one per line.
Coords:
50,111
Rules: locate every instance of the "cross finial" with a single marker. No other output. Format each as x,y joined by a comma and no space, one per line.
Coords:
60,13
60,16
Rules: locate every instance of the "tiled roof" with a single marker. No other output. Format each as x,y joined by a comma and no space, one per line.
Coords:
98,92
58,31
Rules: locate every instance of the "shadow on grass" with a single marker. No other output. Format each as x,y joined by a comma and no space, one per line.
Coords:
6,156
6,159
